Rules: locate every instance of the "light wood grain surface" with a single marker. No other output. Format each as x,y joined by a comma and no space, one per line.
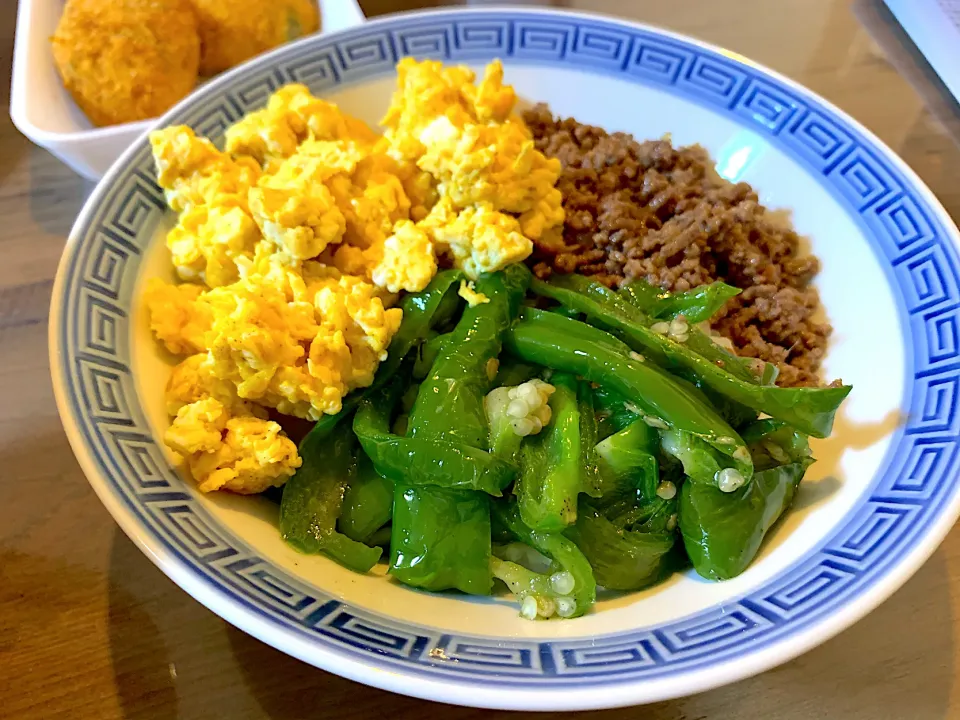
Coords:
89,628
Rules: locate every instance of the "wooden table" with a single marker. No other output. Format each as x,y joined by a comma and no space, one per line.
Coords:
89,628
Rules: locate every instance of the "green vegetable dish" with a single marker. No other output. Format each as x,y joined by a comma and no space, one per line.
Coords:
560,437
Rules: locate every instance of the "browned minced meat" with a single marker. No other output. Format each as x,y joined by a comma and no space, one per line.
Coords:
649,210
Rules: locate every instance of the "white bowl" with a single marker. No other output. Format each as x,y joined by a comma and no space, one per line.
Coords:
873,508
43,110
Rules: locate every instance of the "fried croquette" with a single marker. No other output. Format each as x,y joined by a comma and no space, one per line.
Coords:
232,31
127,60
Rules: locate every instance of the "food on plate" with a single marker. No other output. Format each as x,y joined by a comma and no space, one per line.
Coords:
473,420
232,31
649,210
126,60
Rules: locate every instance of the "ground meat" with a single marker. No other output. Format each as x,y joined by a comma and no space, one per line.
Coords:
649,210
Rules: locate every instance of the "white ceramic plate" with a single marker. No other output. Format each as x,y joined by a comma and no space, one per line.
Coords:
874,507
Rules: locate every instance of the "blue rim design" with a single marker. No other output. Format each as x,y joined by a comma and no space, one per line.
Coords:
909,494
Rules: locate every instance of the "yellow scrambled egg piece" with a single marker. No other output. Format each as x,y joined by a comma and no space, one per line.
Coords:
296,210
193,172
292,243
292,115
495,164
244,455
469,293
481,157
175,317
408,262
194,379
227,443
207,241
211,191
479,238
427,90
299,354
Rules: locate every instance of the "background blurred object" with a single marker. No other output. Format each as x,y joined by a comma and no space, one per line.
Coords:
934,27
884,29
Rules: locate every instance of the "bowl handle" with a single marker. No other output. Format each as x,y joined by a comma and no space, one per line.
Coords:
340,15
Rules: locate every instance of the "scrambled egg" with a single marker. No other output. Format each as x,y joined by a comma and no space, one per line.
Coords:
408,262
469,293
244,455
482,158
292,244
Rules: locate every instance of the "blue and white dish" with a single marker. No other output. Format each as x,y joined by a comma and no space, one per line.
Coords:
875,506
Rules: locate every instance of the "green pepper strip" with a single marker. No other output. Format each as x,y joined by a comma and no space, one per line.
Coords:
551,469
652,302
524,582
441,537
649,516
621,559
810,410
450,401
701,462
591,481
629,460
696,305
312,499
558,548
774,443
421,311
722,532
367,502
613,412
512,372
576,347
420,461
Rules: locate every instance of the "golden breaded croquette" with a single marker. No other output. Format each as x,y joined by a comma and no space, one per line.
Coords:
127,60
232,31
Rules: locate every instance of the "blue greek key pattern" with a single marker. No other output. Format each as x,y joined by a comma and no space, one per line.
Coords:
903,228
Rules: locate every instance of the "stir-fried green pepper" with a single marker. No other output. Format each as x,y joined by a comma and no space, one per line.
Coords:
621,559
629,461
552,473
424,461
722,531
613,412
313,496
580,586
626,304
775,443
367,502
810,410
450,401
576,347
702,463
441,537
633,300
536,592
381,538
697,305
592,482
421,311
656,515
426,354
